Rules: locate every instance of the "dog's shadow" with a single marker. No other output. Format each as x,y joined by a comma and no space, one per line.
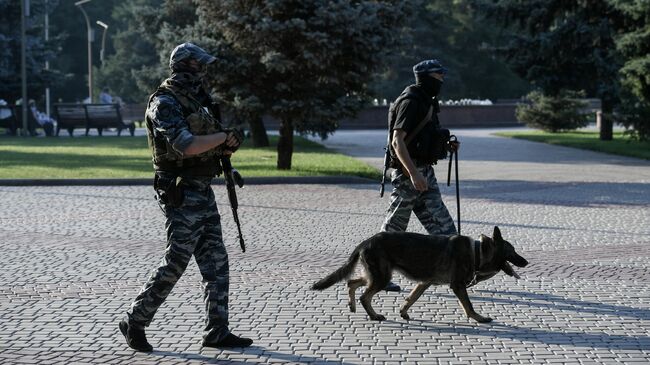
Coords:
549,337
556,302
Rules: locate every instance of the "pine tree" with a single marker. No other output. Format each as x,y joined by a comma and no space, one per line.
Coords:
634,45
307,63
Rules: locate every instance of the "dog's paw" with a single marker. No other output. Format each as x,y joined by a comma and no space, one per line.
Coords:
378,317
481,319
405,316
352,306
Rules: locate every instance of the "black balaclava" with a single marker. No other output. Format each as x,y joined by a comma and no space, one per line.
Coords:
429,84
189,77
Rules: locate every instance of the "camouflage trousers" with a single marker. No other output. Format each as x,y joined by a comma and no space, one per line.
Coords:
193,229
427,205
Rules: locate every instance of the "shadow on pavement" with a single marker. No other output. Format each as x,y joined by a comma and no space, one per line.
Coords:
570,194
261,353
499,330
556,302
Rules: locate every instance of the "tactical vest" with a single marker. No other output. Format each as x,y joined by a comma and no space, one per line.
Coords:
200,122
421,148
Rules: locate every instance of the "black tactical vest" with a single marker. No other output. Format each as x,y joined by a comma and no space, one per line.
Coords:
200,122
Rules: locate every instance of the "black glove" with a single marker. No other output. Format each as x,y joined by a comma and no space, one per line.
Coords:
237,134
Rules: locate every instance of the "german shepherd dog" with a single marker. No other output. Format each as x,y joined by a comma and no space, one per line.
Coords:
459,261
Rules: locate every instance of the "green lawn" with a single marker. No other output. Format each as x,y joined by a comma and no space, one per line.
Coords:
620,145
129,157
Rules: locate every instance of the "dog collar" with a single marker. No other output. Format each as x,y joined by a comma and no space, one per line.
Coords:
476,250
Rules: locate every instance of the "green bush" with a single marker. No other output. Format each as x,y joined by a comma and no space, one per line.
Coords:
634,114
554,113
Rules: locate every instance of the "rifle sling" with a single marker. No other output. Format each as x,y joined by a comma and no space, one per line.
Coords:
419,127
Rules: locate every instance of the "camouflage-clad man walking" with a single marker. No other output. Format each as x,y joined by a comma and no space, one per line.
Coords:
186,139
413,123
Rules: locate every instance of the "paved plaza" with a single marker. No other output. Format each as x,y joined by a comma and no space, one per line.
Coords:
75,257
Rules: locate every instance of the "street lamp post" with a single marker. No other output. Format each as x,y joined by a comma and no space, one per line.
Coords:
101,53
90,54
24,12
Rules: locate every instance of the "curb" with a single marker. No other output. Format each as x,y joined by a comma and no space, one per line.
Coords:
289,180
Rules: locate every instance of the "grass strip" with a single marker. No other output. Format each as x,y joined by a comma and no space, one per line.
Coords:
129,157
621,144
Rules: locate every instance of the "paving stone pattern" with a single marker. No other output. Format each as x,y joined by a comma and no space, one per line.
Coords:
74,258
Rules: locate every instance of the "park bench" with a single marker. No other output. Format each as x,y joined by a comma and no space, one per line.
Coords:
99,116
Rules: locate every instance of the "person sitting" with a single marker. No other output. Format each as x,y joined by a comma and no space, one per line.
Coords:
105,97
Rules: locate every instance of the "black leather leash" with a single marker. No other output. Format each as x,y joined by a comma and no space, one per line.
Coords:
453,155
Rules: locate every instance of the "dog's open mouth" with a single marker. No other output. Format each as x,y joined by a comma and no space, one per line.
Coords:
509,270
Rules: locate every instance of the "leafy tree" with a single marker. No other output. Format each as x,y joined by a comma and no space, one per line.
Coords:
563,44
307,63
554,113
37,50
634,45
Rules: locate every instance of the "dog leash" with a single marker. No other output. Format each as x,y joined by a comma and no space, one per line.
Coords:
454,156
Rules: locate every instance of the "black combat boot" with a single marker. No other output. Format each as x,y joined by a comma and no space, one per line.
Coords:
135,337
229,341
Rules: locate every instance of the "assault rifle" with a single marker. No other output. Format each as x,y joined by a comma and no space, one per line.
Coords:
386,166
232,176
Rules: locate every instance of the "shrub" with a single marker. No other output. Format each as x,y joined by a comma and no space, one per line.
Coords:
634,114
563,112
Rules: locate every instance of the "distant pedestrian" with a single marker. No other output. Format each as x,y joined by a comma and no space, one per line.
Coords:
414,118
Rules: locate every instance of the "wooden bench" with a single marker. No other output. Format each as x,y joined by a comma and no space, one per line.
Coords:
99,116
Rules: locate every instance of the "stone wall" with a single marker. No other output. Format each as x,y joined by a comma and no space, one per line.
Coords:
451,116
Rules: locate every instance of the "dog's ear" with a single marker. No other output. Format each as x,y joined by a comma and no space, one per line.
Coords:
497,234
509,270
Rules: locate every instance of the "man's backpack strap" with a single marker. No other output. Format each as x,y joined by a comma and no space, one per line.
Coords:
419,127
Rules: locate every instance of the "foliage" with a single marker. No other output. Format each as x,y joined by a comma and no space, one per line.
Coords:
634,114
307,63
622,144
129,157
37,51
72,60
133,55
634,45
563,44
451,31
554,113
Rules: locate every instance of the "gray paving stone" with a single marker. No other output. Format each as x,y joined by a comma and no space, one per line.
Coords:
74,258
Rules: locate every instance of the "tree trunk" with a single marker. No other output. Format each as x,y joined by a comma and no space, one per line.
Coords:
258,132
606,125
285,145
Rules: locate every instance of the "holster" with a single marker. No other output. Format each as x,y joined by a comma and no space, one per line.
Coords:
169,191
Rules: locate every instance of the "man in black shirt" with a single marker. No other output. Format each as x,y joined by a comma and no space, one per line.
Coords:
414,121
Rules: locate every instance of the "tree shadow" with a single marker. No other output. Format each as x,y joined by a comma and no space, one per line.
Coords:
263,354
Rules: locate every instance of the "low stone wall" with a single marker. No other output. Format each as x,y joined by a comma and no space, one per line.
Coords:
375,117
451,116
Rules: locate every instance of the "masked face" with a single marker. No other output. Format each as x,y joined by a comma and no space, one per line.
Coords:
190,73
430,84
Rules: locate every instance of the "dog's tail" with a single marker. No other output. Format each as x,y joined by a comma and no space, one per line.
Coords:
341,273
